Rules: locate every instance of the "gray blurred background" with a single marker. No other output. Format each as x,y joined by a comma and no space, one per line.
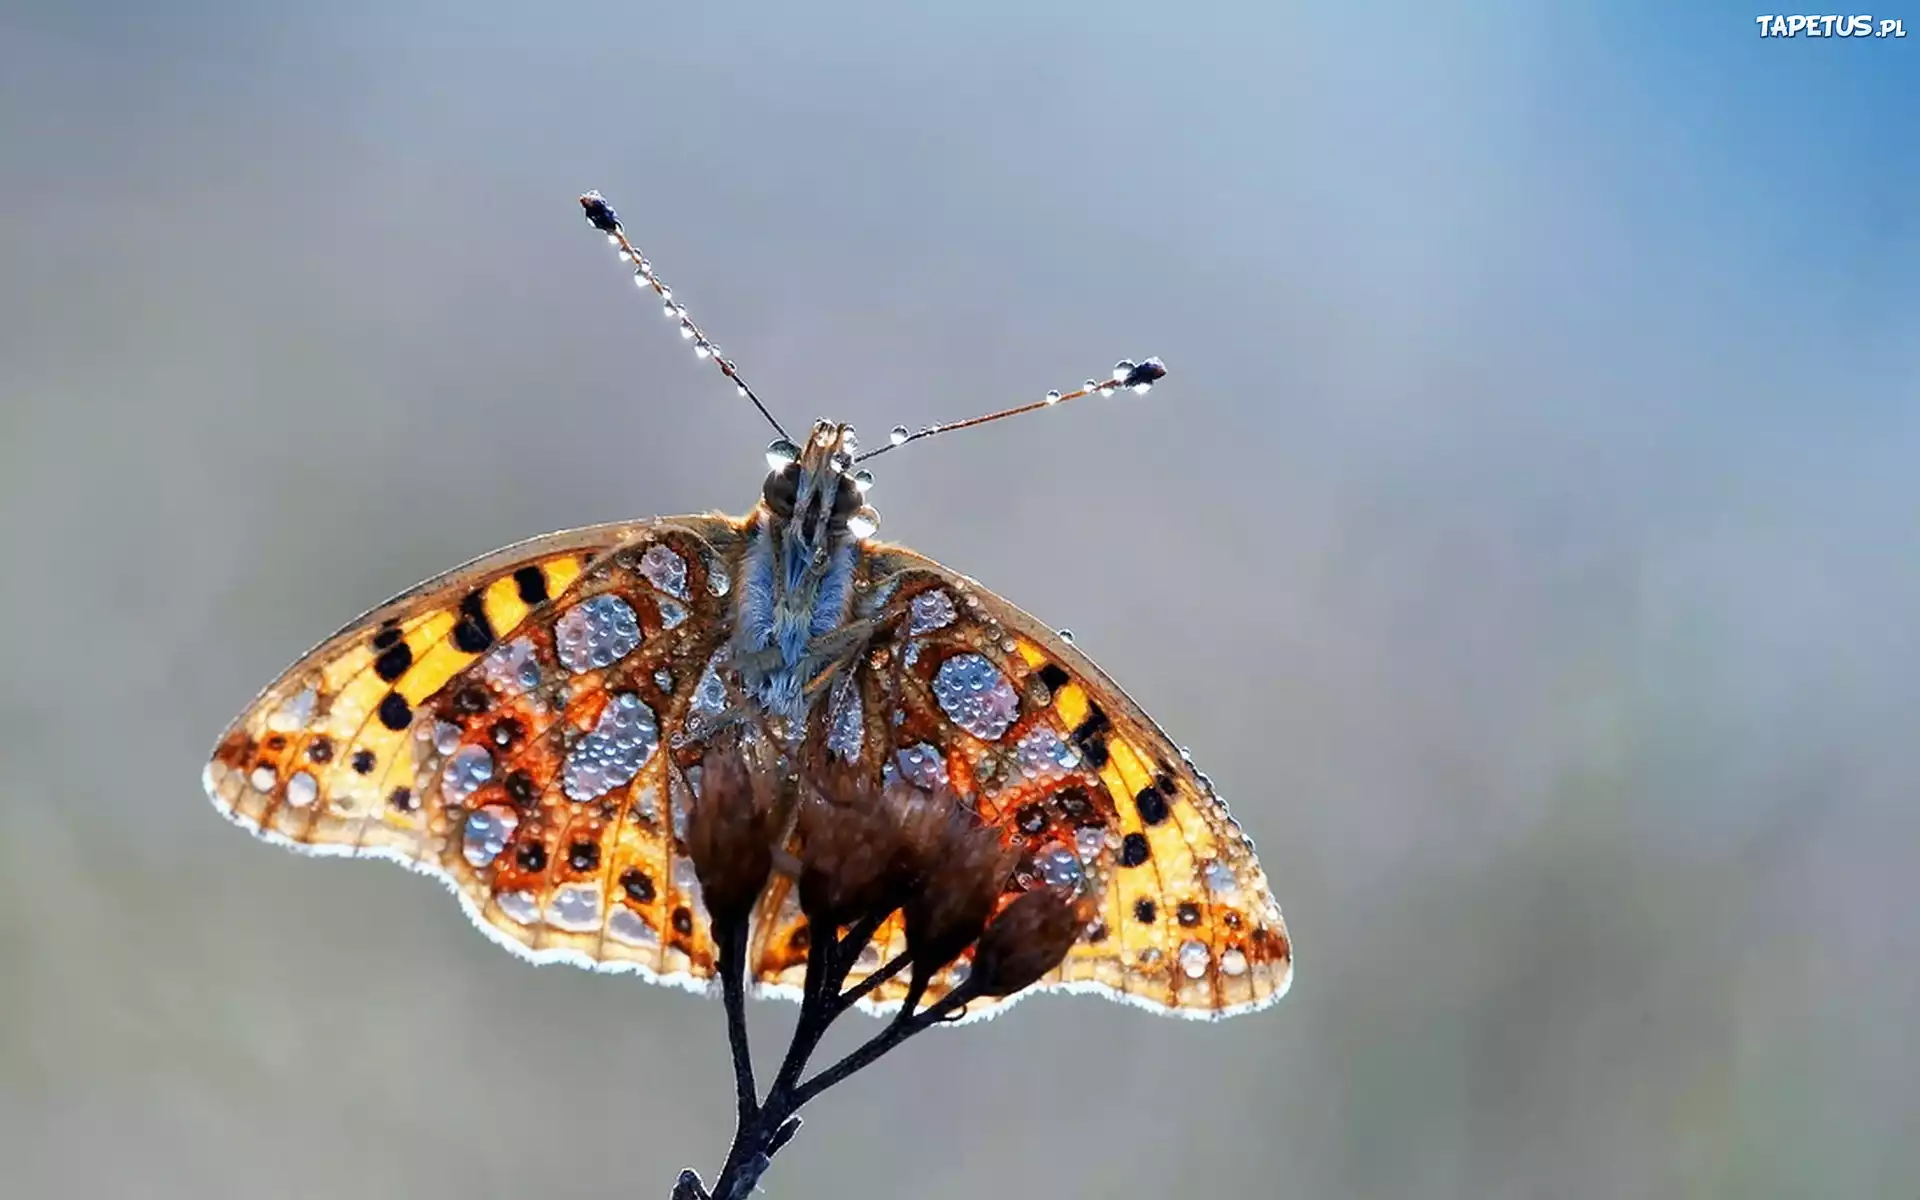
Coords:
1525,543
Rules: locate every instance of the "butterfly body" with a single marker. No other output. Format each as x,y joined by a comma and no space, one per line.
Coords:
799,573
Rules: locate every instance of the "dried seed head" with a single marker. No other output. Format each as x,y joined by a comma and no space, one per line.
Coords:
1029,938
731,830
961,867
850,857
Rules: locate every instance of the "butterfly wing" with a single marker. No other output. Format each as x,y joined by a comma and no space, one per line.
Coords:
961,687
508,728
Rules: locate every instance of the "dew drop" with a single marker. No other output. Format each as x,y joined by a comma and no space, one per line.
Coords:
864,522
782,453
1123,368
486,833
1060,867
302,790
862,481
1193,959
1053,397
898,435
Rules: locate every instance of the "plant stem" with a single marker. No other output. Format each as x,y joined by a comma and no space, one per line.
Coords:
898,1030
733,962
855,994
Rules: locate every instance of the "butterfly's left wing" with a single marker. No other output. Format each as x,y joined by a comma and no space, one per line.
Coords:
958,686
512,728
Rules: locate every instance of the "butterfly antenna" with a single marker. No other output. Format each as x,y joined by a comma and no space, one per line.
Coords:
601,216
1135,376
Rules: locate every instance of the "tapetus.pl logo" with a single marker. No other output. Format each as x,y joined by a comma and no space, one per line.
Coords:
1858,26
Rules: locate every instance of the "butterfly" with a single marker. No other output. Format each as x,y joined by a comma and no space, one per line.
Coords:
529,729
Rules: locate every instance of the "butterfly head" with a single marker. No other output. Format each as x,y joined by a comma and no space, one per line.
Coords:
814,495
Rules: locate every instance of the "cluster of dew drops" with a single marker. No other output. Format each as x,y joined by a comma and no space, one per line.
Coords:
864,521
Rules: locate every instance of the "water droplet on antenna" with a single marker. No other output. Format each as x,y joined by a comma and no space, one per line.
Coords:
898,435
864,522
1053,397
1141,378
862,481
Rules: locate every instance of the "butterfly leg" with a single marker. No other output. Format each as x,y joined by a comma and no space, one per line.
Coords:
830,653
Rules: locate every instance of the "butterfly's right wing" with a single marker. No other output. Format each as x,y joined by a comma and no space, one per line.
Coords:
956,686
506,728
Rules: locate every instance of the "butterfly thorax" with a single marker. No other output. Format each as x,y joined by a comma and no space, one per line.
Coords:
792,631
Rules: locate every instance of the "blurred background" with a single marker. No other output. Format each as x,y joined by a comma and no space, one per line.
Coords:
1525,542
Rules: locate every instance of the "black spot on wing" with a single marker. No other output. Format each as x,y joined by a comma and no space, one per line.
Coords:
1090,735
393,662
637,885
395,713
532,582
473,632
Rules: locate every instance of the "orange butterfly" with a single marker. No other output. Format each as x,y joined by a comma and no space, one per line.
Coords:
528,729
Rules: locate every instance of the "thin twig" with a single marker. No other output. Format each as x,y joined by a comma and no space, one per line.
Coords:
887,971
898,1030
